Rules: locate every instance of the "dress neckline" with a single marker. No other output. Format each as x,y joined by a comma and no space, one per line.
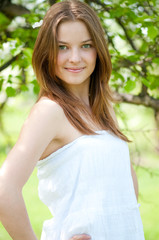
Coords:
68,145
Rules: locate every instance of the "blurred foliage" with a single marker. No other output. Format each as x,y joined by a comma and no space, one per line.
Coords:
131,28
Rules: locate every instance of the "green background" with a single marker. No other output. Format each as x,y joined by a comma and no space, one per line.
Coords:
143,151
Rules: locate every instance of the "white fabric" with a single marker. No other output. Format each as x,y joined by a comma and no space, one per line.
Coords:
88,188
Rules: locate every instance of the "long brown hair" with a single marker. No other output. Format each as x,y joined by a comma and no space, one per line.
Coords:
44,61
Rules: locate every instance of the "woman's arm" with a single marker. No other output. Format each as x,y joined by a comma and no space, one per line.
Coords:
37,132
135,182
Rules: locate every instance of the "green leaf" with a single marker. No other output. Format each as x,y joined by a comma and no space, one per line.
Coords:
145,82
152,32
129,86
144,47
10,78
28,53
156,60
133,58
1,83
117,76
153,81
122,36
116,12
3,21
11,92
24,88
19,77
36,87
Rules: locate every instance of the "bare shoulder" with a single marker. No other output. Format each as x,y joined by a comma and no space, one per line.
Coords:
47,111
48,107
45,119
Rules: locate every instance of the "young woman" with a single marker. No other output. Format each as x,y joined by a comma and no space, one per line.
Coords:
71,135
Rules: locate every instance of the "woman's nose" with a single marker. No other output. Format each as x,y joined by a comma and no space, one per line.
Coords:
75,56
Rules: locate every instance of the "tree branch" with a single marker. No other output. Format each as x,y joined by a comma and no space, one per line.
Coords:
146,101
5,65
13,10
51,2
119,21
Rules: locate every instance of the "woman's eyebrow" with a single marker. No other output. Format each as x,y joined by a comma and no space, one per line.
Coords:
62,42
88,40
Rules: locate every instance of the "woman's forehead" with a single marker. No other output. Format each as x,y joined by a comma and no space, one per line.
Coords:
73,29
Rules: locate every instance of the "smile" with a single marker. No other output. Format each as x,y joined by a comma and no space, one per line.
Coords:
75,70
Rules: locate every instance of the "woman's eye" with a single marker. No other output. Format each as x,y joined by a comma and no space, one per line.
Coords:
62,47
86,46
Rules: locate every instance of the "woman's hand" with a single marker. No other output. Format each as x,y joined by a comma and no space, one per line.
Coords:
81,237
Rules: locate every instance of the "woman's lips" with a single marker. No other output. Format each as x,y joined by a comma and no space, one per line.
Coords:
75,70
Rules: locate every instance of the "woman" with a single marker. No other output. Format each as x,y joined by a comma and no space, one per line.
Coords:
84,171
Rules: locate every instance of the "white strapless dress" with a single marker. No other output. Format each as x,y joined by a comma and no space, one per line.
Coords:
88,187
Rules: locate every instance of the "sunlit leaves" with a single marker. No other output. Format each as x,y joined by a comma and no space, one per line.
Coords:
27,56
1,83
132,29
24,88
130,85
35,86
4,21
11,92
152,32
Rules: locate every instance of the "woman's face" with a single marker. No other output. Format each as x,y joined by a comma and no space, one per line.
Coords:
76,57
